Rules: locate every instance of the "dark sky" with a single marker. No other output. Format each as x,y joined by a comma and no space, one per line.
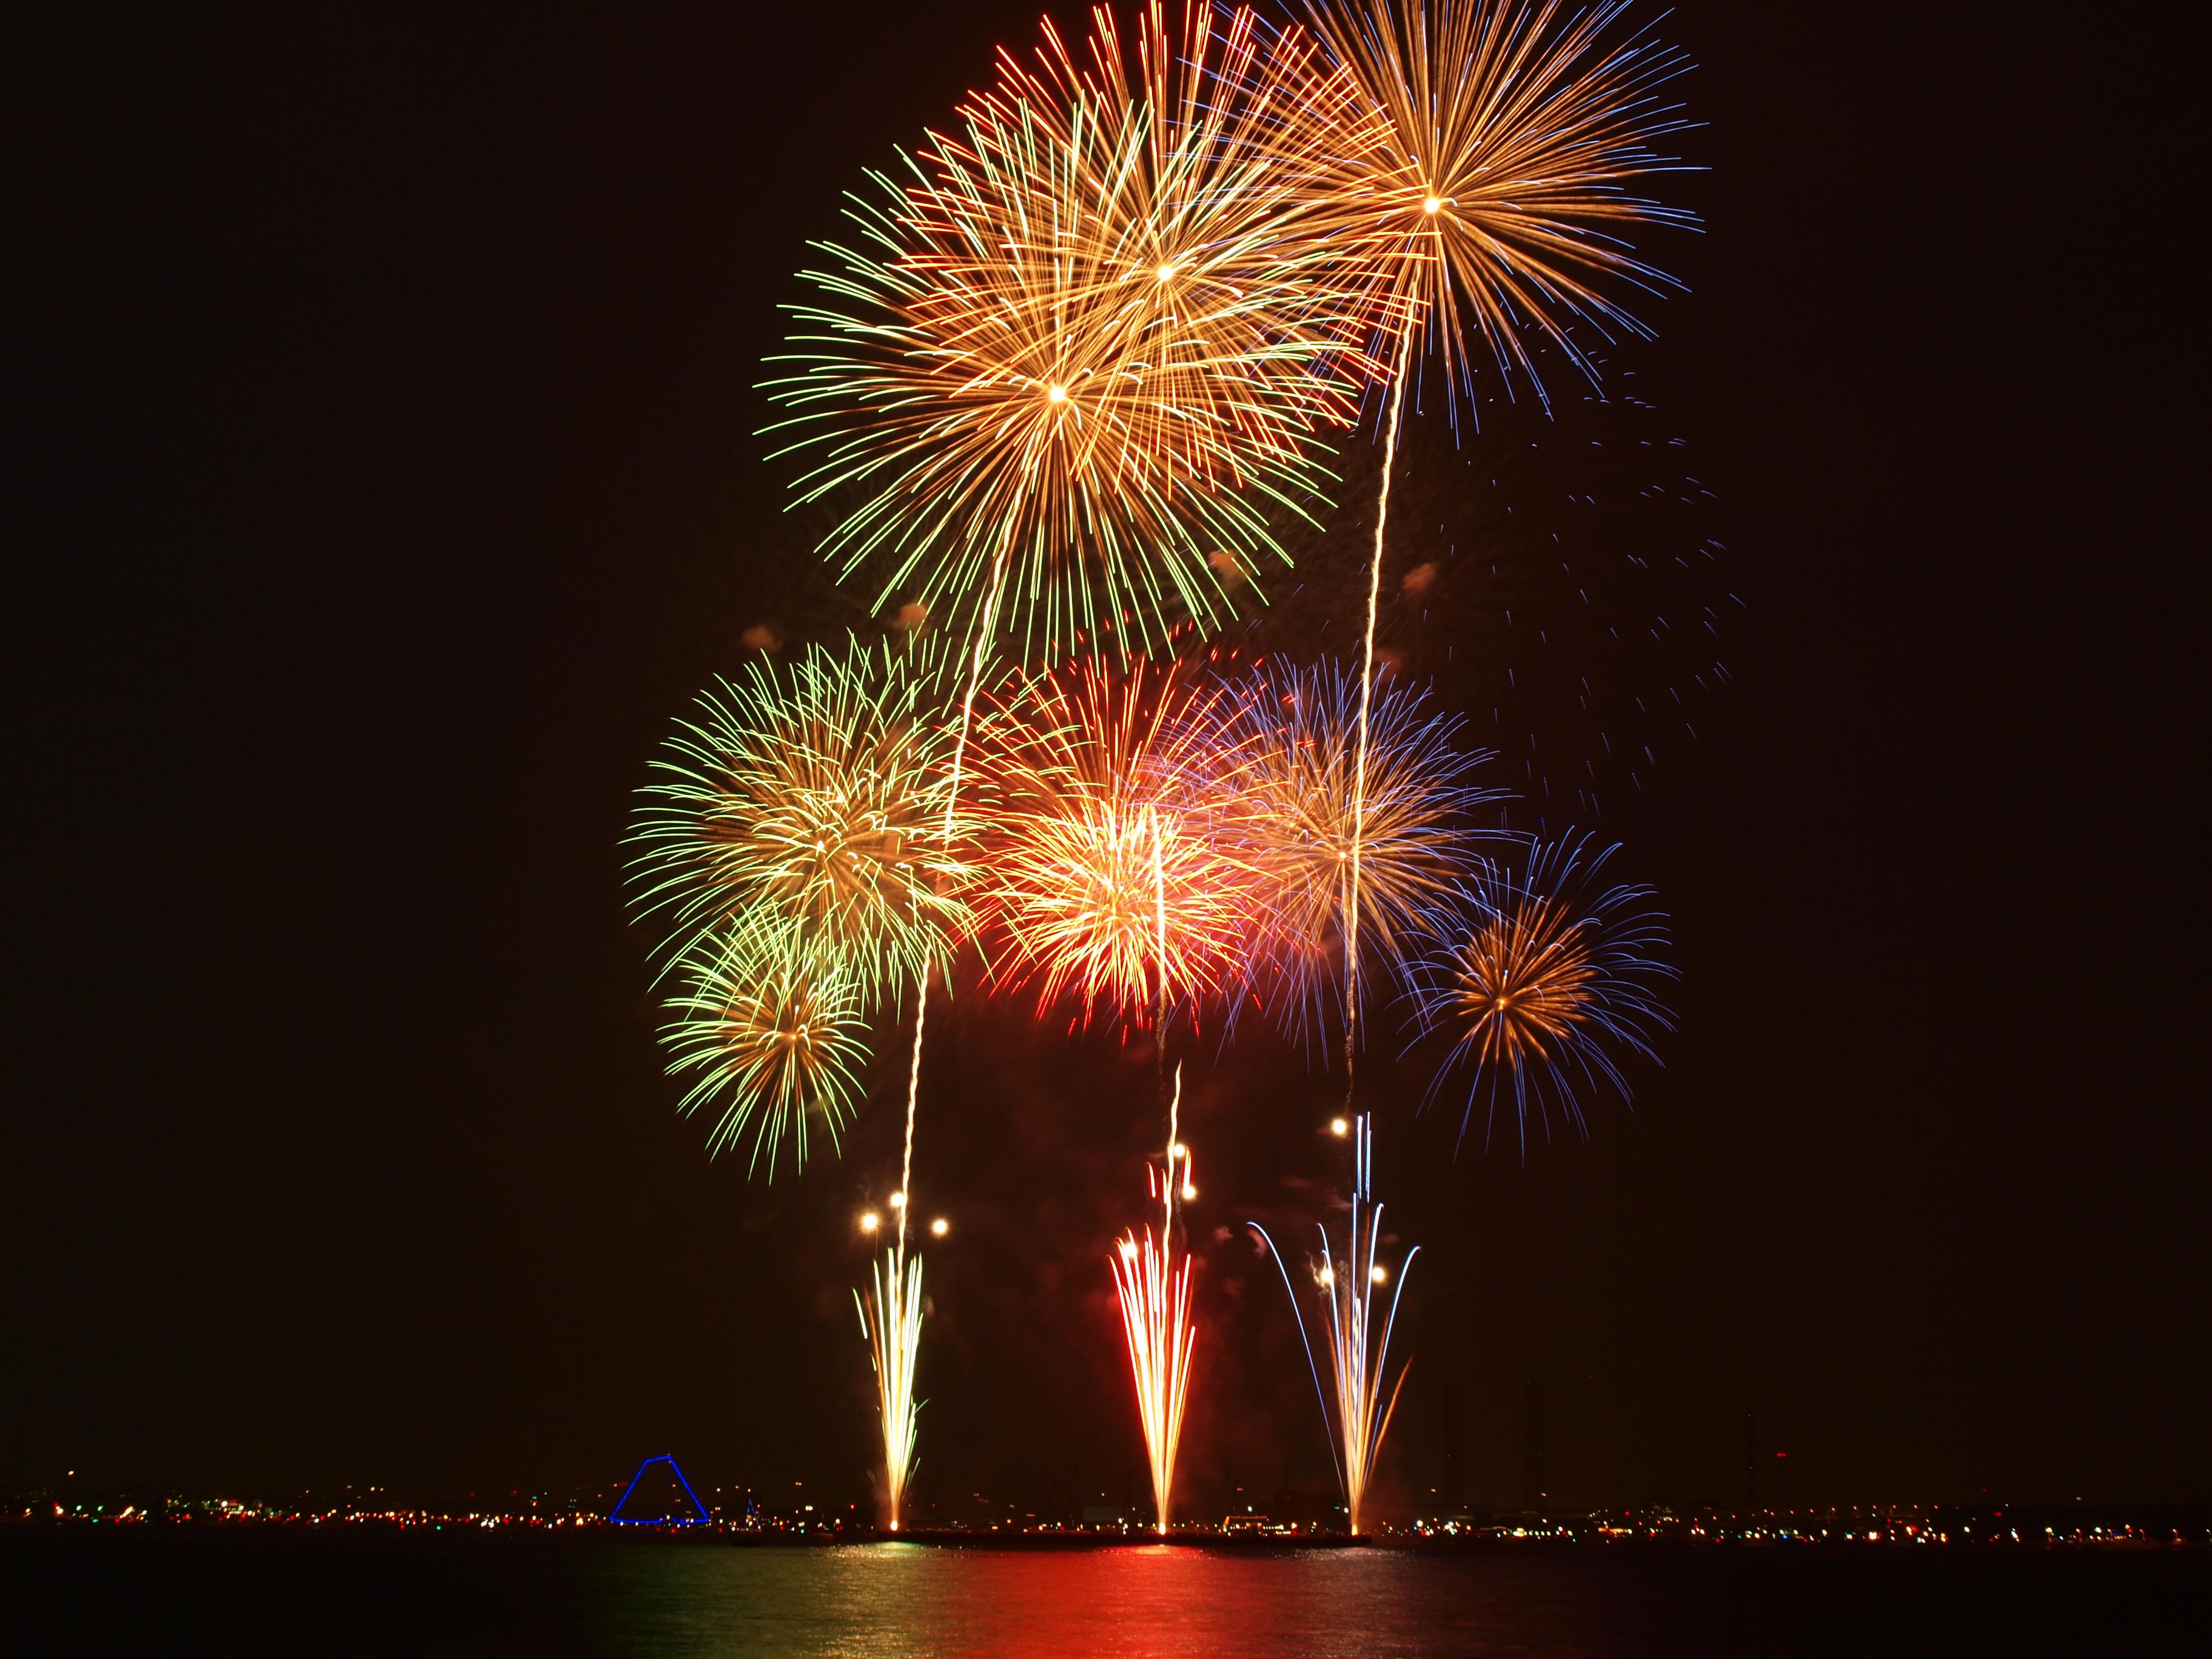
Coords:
392,487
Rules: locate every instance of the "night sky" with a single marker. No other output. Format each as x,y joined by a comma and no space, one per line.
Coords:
392,487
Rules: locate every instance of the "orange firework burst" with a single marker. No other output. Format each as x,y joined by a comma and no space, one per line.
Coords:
1495,192
1524,982
1103,877
1541,977
1073,356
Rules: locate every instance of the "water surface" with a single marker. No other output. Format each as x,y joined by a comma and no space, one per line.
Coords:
208,1590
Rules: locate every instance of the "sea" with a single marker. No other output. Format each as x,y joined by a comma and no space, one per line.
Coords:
252,1591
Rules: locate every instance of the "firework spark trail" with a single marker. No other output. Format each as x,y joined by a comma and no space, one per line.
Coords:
1532,977
897,1332
1359,1351
890,1307
1154,1289
1366,700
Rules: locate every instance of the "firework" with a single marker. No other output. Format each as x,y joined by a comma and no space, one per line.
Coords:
1492,189
1358,1347
1071,352
891,1322
804,813
1102,879
1497,192
777,1043
1286,805
891,1308
1535,979
1154,1287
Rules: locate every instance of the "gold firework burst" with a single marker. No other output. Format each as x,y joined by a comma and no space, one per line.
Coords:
1074,356
1496,196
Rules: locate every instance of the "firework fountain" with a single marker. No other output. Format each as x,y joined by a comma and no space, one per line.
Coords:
1358,1347
1154,1286
890,1310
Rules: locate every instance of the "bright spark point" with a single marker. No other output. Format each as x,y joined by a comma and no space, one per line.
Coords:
1055,394
1376,1275
1432,204
870,1222
897,1200
1167,272
1189,1192
1337,1126
940,1227
1182,1151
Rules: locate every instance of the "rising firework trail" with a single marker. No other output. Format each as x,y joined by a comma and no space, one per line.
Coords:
1359,1415
1534,979
890,1309
1153,1286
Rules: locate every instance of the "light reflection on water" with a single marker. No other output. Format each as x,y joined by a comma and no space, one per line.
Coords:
240,1592
912,1600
